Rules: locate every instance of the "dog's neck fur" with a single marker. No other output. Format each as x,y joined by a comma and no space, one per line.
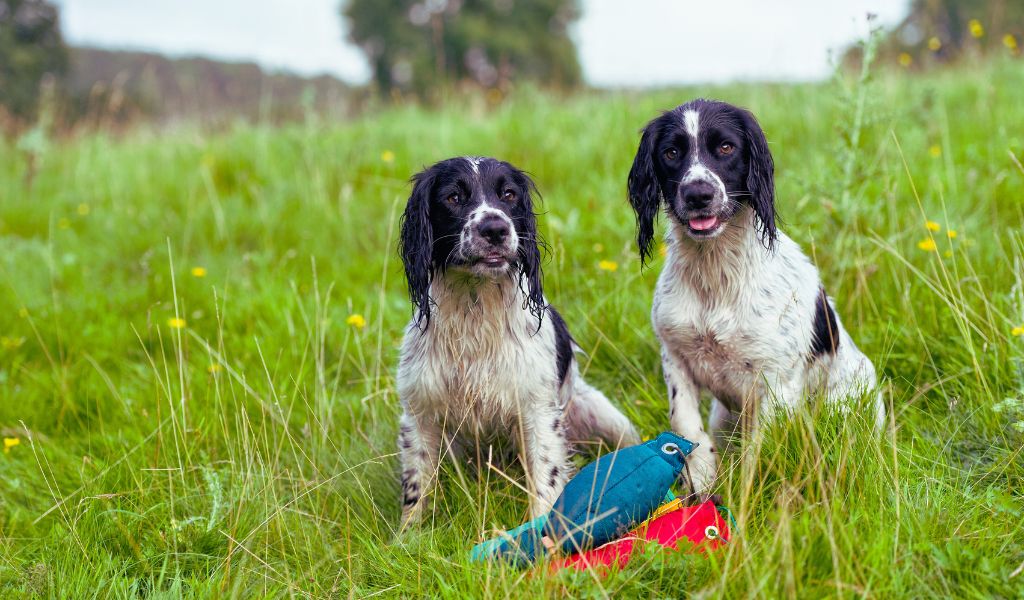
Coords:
722,266
477,307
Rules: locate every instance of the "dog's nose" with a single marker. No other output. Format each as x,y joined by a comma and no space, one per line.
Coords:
698,195
494,229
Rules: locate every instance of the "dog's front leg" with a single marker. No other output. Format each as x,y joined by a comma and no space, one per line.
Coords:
684,416
547,457
419,446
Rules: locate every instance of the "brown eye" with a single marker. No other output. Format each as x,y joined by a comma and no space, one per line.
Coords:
453,198
509,195
725,149
671,154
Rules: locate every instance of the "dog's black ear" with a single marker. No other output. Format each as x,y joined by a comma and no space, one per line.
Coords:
416,245
530,244
644,191
761,180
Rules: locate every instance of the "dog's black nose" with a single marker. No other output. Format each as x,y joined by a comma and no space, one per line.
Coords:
698,195
494,229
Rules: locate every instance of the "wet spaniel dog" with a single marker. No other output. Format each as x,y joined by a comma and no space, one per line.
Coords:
739,310
485,358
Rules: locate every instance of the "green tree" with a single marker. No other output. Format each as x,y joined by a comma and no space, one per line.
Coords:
418,45
31,48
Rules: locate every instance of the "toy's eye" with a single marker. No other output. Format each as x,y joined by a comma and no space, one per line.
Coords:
670,448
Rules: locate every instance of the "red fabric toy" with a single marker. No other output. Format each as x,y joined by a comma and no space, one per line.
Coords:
701,524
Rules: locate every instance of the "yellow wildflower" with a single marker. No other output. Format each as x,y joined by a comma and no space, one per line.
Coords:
11,343
1009,41
977,30
176,323
905,59
356,320
387,156
932,226
198,272
934,44
10,443
608,265
928,245
83,209
1016,332
935,150
951,233
213,368
63,223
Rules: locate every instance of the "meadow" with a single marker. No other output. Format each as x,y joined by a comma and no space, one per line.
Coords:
200,329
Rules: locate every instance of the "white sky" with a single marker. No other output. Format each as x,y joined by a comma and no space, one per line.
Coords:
621,42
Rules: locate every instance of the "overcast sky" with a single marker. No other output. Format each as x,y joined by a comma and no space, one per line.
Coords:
621,42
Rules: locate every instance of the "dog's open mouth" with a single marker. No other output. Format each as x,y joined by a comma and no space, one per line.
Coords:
493,260
700,227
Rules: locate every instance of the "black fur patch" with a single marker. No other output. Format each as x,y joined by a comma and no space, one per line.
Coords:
826,329
563,344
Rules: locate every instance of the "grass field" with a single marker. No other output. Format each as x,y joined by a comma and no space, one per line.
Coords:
200,330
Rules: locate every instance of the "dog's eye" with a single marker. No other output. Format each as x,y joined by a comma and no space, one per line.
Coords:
725,148
509,195
670,448
453,198
671,154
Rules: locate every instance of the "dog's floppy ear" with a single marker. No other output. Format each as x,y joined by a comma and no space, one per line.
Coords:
530,245
416,244
761,180
644,191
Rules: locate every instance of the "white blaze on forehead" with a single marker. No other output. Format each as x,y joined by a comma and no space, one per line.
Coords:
474,163
697,170
691,120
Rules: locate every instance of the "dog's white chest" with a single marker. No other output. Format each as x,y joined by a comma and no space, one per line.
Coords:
715,343
469,370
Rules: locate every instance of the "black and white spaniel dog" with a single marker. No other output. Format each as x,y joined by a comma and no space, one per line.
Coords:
485,358
740,311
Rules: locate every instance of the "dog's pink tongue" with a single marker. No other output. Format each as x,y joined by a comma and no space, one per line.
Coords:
703,224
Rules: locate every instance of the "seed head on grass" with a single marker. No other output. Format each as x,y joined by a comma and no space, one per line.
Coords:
11,343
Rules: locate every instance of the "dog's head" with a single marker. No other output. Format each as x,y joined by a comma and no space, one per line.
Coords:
474,215
706,160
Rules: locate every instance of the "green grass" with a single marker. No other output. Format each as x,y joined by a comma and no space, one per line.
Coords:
141,473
